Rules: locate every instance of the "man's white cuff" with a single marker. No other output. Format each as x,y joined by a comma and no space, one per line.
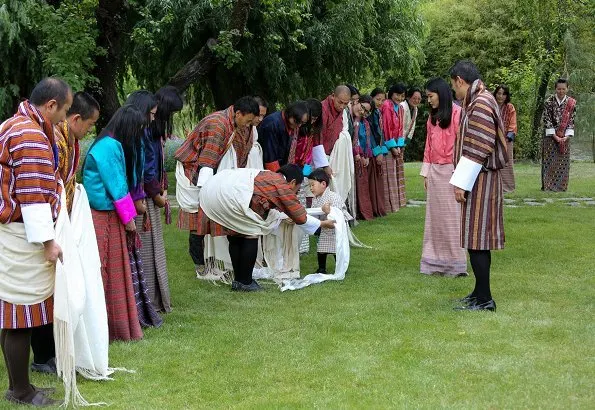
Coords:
465,174
319,157
550,131
39,224
203,176
311,226
569,132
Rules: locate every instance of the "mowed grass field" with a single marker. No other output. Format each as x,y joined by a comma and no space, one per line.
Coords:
386,336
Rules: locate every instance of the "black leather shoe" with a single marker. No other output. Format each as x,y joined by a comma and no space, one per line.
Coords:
469,299
49,367
489,305
240,287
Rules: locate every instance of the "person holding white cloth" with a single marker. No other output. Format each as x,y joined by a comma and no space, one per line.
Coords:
246,203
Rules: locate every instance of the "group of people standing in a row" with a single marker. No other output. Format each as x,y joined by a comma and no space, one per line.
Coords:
124,186
358,141
350,147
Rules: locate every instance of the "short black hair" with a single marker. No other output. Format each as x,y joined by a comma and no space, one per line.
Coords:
84,105
292,172
320,175
50,88
260,101
506,92
465,69
247,105
353,89
376,91
398,88
413,90
562,81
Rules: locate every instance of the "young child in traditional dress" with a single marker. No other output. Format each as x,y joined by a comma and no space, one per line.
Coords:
325,198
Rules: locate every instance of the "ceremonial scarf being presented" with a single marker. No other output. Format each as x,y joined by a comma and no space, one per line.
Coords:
342,255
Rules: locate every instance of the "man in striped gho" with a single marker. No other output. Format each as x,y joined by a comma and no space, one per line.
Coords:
244,204
479,156
29,206
222,134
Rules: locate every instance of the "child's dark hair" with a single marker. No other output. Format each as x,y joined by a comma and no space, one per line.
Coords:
320,175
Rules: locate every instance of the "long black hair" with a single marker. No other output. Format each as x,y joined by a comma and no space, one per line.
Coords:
506,92
374,118
366,99
144,100
126,127
169,102
314,110
443,113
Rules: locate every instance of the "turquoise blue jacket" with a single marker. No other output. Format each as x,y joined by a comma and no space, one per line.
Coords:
104,175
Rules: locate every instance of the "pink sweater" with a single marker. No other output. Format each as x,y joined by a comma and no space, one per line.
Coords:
440,142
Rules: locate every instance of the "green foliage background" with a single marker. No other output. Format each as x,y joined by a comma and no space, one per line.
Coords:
294,49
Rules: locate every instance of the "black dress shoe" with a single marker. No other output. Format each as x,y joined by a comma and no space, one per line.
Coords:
240,287
489,305
469,299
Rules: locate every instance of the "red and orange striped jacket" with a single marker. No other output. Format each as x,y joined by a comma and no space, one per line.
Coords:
28,164
206,145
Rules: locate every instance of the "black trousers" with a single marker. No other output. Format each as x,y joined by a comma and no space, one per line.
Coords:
243,252
42,343
196,248
481,261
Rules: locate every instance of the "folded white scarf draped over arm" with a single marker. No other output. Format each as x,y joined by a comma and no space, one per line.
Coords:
341,162
76,302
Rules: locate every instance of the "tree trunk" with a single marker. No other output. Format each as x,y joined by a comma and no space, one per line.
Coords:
111,24
540,99
226,86
203,63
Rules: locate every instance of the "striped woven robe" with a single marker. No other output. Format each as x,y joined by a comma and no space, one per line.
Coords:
480,154
508,113
205,147
30,193
555,166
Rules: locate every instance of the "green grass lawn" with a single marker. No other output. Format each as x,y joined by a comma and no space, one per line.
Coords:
386,336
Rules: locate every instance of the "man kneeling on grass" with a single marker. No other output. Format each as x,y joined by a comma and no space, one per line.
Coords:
246,203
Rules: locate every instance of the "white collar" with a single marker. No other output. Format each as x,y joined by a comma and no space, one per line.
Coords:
560,101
